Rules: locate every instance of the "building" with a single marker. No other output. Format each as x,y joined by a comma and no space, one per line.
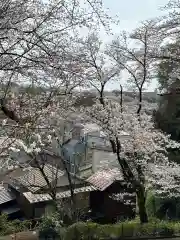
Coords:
88,150
84,157
33,195
104,194
9,205
29,196
86,154
113,198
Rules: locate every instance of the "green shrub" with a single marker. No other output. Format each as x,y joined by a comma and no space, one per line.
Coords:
82,230
126,229
165,229
157,207
3,222
50,226
151,204
8,227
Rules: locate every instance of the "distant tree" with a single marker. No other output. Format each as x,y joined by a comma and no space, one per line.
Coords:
136,61
86,98
100,70
116,92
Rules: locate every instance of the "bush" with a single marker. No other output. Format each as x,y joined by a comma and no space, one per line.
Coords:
50,226
151,205
81,230
126,229
8,227
162,208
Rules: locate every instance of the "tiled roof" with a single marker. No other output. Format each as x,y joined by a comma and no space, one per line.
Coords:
6,196
34,179
104,178
33,198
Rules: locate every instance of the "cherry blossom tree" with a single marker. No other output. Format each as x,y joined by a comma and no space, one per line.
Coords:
169,23
133,53
145,146
99,68
167,32
141,156
36,146
39,50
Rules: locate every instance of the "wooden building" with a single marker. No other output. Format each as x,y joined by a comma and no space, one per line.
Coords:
9,205
113,199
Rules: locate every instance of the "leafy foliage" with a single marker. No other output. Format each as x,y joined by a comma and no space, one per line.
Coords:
162,208
124,229
167,116
8,227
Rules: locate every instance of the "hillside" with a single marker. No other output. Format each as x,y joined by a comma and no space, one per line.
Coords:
87,98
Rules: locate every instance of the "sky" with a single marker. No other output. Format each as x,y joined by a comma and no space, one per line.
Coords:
131,13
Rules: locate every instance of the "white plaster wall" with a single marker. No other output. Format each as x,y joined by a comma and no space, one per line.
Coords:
103,159
55,147
21,157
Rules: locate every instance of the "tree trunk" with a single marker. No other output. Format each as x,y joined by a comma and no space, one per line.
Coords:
141,200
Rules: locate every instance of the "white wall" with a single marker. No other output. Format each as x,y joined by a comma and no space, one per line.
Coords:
90,132
103,159
21,157
55,148
76,132
95,140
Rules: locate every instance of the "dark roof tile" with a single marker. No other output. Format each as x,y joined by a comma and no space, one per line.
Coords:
6,196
